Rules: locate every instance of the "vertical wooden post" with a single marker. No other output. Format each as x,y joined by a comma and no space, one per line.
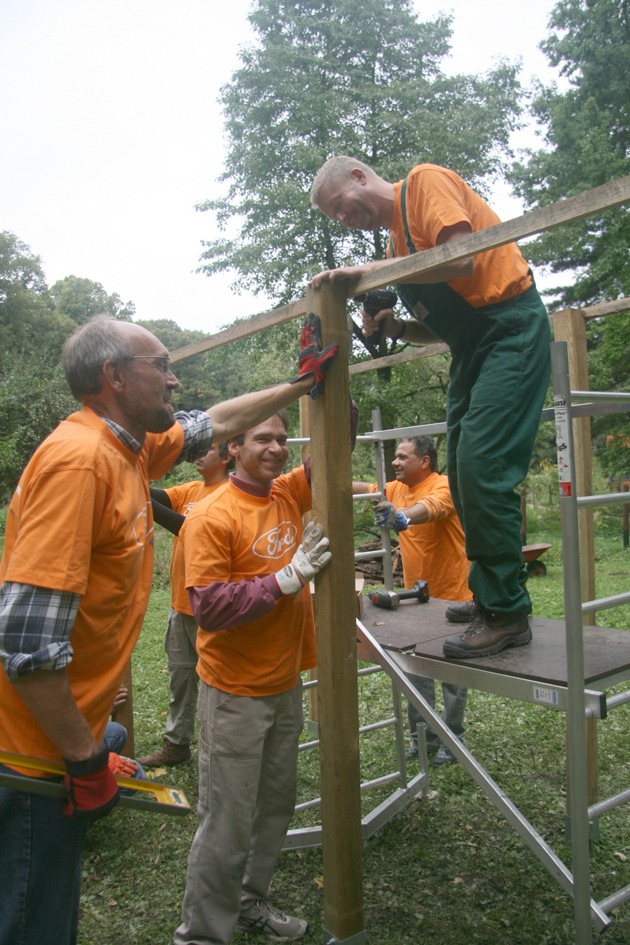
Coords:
336,634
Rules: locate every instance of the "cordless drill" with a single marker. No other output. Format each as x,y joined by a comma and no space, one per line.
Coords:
374,301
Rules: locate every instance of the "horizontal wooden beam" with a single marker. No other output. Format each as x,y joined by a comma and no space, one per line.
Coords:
414,353
276,316
606,308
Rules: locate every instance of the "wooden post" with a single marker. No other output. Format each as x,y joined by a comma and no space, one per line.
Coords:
336,634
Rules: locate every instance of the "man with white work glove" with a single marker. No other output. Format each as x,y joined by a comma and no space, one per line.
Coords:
248,566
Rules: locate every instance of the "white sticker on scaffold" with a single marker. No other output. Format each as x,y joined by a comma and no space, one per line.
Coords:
545,695
562,445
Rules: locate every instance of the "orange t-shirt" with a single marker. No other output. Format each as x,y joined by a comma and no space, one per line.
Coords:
437,198
234,536
434,551
80,520
182,499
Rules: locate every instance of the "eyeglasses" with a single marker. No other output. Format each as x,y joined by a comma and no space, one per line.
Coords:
164,367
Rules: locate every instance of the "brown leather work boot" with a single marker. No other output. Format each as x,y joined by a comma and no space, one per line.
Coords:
168,754
487,634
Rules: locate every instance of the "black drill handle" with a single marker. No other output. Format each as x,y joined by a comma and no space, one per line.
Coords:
374,302
420,590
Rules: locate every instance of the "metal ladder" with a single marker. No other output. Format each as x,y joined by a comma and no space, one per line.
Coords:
566,407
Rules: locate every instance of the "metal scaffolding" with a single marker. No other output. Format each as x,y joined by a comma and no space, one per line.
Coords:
567,668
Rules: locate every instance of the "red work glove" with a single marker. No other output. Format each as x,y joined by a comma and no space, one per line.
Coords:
92,788
119,765
312,359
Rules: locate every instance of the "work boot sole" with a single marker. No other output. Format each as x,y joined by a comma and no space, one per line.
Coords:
459,651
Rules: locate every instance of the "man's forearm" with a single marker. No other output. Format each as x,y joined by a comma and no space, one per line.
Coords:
48,696
232,417
166,516
223,605
418,514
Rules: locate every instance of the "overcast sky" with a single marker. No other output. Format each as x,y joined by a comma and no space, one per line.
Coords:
111,133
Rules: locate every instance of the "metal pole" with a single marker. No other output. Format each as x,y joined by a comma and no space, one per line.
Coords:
379,450
576,708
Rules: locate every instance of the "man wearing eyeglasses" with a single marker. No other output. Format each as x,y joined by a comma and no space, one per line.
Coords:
76,576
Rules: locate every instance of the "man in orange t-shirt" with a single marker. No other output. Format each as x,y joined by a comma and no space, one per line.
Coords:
75,580
248,567
170,506
419,507
488,310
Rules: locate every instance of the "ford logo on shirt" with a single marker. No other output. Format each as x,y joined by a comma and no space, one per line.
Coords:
276,542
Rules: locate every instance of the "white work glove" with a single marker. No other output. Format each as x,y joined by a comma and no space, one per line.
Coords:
311,556
387,515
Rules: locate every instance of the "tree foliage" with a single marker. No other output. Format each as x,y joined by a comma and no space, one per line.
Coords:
79,299
322,78
35,320
27,322
34,398
586,133
609,369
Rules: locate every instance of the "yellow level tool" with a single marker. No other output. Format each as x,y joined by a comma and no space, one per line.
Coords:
163,798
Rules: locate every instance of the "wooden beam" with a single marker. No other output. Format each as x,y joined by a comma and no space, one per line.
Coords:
413,353
605,308
277,316
336,634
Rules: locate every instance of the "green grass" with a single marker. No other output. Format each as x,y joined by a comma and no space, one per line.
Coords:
448,868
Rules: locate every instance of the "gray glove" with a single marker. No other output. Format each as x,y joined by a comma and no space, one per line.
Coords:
311,556
387,515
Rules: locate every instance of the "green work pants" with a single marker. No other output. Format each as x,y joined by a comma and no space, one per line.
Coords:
499,377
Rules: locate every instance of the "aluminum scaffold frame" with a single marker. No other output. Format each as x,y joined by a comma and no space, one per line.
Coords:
578,700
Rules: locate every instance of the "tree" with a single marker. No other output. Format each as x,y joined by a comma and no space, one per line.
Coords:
586,130
23,298
79,299
609,369
34,398
34,323
325,77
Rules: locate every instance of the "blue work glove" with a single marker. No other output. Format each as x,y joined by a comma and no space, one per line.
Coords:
387,515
